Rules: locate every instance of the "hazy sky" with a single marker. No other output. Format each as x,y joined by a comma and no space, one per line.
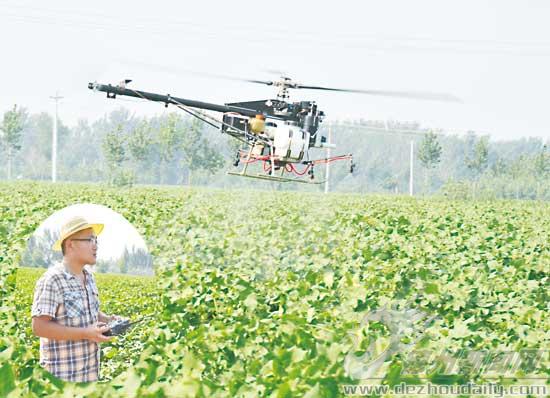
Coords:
494,55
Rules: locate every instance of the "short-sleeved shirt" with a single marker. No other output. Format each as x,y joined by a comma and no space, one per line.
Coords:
62,296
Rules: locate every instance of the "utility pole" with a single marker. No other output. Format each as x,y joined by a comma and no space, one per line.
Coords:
54,139
327,170
411,175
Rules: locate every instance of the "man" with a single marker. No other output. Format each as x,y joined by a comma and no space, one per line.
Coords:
65,311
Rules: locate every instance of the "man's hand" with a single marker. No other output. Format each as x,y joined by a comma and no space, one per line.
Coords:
95,333
113,318
108,318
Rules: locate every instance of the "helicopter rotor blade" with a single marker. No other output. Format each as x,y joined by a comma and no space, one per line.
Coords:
266,82
226,77
287,82
177,70
401,94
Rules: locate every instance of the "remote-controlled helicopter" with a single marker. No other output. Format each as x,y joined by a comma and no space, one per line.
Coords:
278,133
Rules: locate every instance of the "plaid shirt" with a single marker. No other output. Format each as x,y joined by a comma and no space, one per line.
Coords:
62,296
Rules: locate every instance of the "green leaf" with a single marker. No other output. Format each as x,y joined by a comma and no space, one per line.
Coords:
431,288
7,379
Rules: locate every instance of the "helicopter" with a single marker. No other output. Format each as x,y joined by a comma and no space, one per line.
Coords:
276,132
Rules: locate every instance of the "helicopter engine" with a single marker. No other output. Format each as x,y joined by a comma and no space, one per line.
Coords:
290,142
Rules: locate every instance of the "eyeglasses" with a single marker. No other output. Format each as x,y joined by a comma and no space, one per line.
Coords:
92,240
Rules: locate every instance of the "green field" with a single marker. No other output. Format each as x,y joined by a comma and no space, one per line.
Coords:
264,293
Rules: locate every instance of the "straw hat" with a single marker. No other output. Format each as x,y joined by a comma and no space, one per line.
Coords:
72,226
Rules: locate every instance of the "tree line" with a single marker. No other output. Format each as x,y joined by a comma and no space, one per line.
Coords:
132,261
121,149
118,149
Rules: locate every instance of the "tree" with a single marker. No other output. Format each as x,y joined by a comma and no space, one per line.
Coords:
140,146
169,136
122,262
542,163
499,167
197,153
139,262
140,141
82,154
115,154
429,154
477,161
516,172
37,145
169,141
11,128
102,266
541,166
36,148
113,147
391,184
39,251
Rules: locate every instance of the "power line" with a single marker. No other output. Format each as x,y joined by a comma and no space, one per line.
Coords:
165,22
190,31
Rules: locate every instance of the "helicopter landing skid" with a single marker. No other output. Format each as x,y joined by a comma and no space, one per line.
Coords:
274,178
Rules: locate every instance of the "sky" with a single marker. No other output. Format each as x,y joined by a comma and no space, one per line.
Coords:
493,55
117,233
